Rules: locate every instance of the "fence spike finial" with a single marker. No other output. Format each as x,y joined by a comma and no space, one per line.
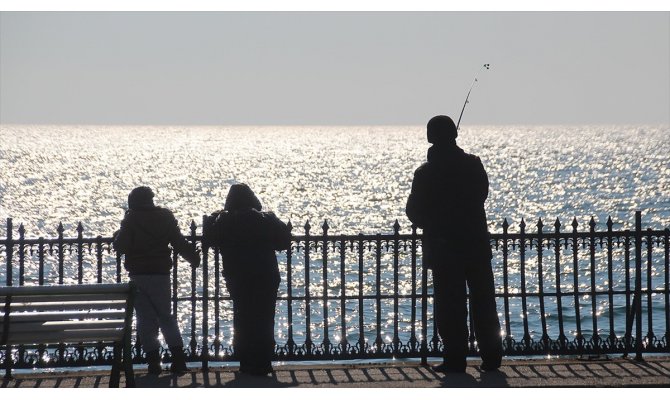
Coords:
307,227
575,223
396,226
60,228
609,222
505,224
289,225
592,223
80,227
557,224
540,225
325,226
522,225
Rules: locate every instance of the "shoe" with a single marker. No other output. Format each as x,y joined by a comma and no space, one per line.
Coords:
489,366
257,371
178,361
445,368
154,361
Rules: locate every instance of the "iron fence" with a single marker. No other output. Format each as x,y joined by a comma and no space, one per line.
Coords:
572,292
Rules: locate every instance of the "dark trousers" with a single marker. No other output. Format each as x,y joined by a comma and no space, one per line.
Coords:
450,278
254,302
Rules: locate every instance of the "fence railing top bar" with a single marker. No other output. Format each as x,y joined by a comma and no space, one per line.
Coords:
584,230
355,238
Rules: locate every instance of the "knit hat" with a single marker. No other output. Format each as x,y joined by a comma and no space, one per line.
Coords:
441,129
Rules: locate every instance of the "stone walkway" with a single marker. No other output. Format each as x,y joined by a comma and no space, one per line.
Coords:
520,373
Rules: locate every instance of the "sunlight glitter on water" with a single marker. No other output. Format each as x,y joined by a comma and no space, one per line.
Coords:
357,178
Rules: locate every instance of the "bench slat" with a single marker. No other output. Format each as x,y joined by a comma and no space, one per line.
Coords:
64,316
56,326
74,336
71,306
66,289
46,298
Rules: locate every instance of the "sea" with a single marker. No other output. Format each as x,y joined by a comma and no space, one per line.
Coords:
357,178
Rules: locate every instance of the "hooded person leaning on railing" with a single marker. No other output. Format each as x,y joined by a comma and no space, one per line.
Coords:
146,233
248,238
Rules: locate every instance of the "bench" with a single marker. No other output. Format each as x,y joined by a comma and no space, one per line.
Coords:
98,314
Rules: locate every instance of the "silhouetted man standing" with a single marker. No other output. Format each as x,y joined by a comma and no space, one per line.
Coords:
447,202
145,237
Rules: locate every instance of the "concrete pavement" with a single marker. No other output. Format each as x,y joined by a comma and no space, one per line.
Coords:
519,373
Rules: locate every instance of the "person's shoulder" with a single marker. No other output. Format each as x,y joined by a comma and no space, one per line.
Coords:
164,213
472,158
423,168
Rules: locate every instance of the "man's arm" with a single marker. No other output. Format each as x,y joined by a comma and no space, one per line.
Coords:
482,181
123,237
417,202
181,245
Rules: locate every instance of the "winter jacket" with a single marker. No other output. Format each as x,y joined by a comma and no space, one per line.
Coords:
144,238
447,202
248,240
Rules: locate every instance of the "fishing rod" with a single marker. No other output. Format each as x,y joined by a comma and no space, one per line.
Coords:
485,66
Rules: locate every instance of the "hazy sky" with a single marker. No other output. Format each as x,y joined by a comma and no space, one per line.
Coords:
380,68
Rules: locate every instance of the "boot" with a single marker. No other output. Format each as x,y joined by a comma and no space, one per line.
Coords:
178,361
450,367
154,361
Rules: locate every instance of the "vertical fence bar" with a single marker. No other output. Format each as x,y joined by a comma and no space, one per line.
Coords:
289,293
412,339
9,249
324,264
505,250
361,332
98,257
343,295
308,298
595,338
562,340
540,279
378,297
193,343
205,297
524,304
22,266
40,258
217,303
80,253
396,261
667,288
22,255
629,309
610,278
175,283
650,287
575,267
638,286
424,306
60,253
